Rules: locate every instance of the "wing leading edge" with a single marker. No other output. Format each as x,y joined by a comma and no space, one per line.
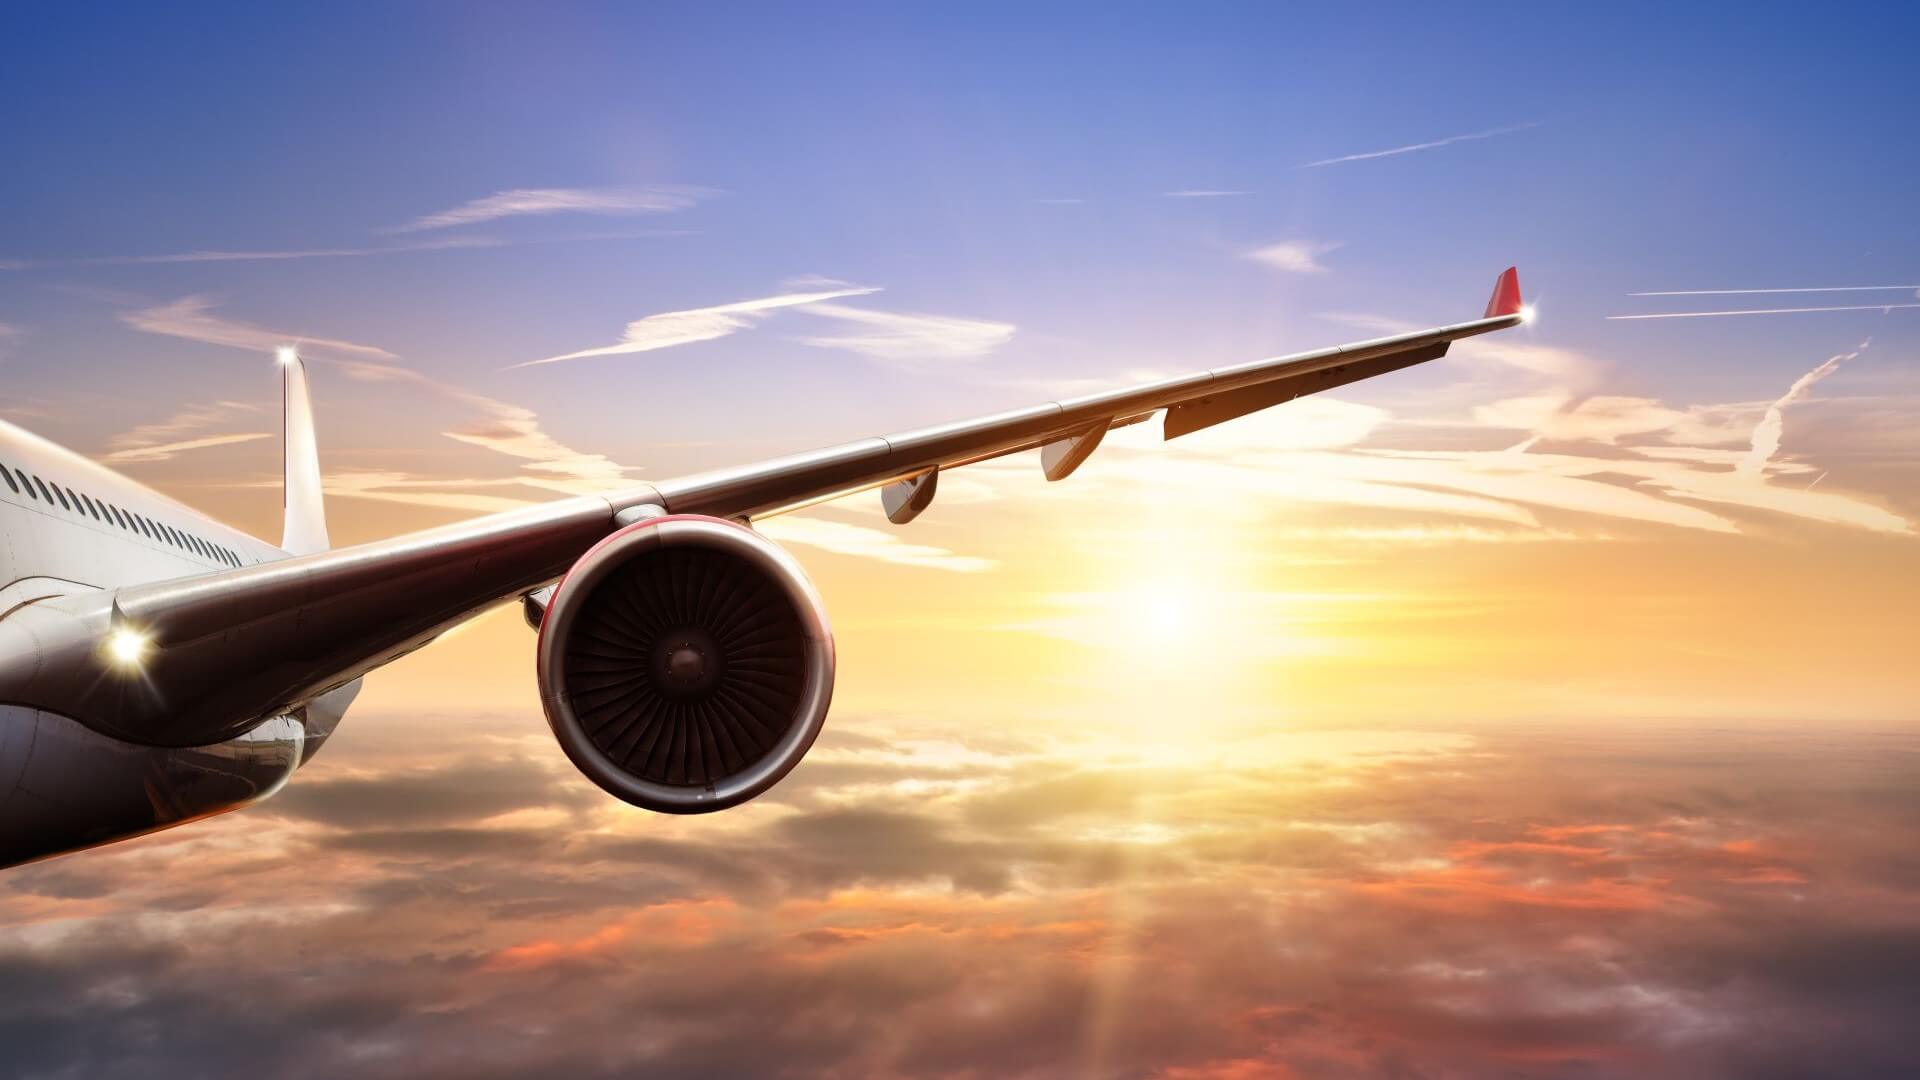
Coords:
1070,430
231,647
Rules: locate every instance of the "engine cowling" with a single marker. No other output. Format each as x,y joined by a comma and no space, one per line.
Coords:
685,664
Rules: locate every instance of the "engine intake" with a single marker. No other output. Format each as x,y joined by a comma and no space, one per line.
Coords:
685,664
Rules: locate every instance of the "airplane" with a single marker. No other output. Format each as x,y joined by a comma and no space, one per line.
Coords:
158,667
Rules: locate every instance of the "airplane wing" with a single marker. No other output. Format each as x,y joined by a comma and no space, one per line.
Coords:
224,649
1067,431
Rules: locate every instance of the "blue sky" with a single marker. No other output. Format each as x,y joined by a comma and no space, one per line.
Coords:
910,148
1011,169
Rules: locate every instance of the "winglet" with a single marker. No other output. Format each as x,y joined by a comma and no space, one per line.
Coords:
306,515
1506,295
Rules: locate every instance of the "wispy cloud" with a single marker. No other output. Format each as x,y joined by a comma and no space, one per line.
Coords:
1763,311
1293,256
507,429
405,489
1616,458
526,202
1766,434
446,244
906,338
1750,292
1415,147
862,542
167,451
180,433
190,317
1202,193
670,328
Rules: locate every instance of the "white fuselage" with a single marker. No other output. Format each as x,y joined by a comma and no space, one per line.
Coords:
68,527
67,523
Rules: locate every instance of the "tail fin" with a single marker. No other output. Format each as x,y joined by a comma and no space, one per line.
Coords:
306,513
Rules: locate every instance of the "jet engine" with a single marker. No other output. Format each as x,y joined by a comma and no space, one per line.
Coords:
685,664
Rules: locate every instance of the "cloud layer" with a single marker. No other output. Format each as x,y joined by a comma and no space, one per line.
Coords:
1313,904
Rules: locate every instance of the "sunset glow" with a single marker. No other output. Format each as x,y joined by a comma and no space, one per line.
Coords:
1542,710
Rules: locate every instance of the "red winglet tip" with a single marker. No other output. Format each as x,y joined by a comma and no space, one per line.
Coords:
1506,295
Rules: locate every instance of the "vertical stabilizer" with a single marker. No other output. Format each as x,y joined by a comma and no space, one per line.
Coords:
306,523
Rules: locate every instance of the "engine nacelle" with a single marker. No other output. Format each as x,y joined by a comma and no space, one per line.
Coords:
685,664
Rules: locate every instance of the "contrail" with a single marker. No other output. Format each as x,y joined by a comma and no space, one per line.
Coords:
1749,292
1765,311
1448,141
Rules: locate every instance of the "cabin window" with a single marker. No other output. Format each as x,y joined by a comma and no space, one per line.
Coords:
8,477
42,485
64,504
144,527
28,484
91,508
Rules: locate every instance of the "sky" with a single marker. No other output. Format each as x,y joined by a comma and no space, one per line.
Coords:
1545,710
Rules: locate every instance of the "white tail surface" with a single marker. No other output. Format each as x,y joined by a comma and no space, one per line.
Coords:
306,512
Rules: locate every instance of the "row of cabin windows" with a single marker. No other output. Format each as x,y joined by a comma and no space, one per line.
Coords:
39,490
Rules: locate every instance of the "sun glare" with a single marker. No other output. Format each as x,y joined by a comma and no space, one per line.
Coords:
1162,613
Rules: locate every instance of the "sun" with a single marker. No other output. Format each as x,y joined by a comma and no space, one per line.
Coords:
1161,613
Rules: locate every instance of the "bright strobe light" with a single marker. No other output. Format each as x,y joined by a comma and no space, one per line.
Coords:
286,355
126,647
1526,313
